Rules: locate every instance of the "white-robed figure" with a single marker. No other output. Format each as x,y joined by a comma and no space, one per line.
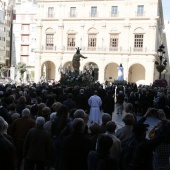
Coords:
120,73
95,113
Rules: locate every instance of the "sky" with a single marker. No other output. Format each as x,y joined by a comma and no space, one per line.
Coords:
166,9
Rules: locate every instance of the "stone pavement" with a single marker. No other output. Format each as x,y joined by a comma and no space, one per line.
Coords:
117,118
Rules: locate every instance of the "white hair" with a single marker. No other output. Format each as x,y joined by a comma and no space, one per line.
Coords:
26,113
40,121
52,116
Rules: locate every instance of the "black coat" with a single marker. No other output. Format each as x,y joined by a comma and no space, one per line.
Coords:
108,104
82,102
6,154
38,145
75,151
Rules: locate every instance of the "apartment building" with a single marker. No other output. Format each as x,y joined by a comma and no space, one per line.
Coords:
24,36
108,32
2,33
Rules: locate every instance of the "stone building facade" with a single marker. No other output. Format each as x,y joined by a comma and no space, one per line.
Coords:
109,33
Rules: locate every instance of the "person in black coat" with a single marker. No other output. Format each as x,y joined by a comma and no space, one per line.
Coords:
75,148
100,159
108,103
6,150
37,147
4,113
70,103
82,101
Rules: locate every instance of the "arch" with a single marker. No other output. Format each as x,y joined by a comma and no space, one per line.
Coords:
136,74
114,31
48,70
111,72
95,69
92,31
139,30
50,31
71,31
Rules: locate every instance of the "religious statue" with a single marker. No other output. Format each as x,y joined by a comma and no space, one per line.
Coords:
76,60
120,73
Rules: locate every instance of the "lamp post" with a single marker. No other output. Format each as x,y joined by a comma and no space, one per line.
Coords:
161,64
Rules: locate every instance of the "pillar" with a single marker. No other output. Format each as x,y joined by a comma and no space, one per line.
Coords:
60,33
39,35
38,67
12,72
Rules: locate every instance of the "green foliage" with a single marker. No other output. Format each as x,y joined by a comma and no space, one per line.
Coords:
72,80
160,68
3,70
20,67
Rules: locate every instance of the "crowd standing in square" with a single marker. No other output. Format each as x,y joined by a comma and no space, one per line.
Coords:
46,126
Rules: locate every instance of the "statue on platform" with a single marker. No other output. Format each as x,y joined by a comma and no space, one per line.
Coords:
76,60
120,73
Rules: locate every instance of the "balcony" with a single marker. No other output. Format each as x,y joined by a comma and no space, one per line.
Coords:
71,48
139,49
114,14
25,32
91,48
139,14
113,49
72,15
51,15
25,42
24,52
93,14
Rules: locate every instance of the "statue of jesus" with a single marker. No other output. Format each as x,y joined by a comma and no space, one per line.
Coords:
76,60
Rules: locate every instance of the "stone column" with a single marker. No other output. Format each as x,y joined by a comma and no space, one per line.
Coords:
37,68
152,34
101,71
82,35
12,72
127,35
58,67
39,35
149,71
60,33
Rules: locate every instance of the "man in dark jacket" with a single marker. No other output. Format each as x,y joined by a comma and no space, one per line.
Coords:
6,150
75,148
18,130
70,103
82,101
108,103
37,147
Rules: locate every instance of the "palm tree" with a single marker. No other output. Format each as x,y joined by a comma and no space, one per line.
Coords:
21,68
3,70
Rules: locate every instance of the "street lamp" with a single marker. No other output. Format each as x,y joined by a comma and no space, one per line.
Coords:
161,64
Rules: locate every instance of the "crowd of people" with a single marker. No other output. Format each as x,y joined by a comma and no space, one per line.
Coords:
46,126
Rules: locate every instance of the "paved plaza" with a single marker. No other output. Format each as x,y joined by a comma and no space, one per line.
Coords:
117,118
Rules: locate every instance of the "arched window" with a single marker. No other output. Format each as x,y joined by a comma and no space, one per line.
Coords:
92,39
50,39
138,39
71,39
